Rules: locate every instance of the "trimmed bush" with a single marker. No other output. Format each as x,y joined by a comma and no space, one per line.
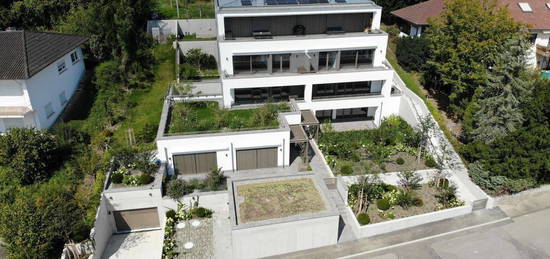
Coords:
177,189
418,202
346,169
116,178
383,204
171,214
201,212
145,179
405,199
400,161
430,162
363,218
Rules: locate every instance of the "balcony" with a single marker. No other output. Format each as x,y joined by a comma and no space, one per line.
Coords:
303,63
298,26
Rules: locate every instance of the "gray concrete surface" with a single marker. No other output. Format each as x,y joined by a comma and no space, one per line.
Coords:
147,244
525,236
525,202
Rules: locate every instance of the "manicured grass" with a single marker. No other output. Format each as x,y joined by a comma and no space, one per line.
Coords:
209,117
146,114
278,199
193,9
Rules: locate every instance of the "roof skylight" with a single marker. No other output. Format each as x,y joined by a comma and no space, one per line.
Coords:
525,7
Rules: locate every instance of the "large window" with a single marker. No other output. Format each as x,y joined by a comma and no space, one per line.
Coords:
250,64
344,89
356,58
327,60
269,94
281,63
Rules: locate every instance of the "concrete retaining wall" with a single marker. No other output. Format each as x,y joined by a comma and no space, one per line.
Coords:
408,222
268,240
203,28
103,229
208,47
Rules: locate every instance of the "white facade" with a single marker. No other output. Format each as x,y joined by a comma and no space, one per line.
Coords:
39,100
542,40
313,46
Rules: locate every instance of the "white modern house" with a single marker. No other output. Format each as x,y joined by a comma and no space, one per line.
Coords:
327,58
39,73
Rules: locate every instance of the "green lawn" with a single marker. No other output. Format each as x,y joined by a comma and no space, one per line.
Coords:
208,117
194,9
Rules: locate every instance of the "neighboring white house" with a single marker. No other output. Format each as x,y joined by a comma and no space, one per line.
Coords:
39,73
533,13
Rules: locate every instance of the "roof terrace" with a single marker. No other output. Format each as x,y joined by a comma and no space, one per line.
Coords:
268,3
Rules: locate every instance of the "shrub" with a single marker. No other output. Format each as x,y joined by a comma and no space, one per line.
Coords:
346,169
200,212
405,199
145,179
409,180
116,178
446,194
188,72
171,214
418,202
215,179
412,53
430,162
363,218
383,204
177,188
400,161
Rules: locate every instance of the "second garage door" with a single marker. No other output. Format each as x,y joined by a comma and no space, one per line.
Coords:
256,158
195,163
128,220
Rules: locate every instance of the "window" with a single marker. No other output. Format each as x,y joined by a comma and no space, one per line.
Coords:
11,123
525,7
548,5
62,98
74,57
61,67
281,63
269,94
356,58
327,60
322,91
49,110
250,64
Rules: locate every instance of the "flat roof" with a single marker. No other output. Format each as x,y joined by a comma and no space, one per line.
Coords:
278,199
272,3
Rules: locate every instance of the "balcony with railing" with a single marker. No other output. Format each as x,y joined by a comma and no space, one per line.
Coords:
299,26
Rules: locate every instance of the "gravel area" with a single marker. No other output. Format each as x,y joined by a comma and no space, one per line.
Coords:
199,235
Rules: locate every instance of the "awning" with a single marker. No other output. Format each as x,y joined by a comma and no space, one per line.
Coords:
308,118
13,111
297,134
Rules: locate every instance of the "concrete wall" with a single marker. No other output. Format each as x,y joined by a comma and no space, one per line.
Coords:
209,47
408,222
103,228
225,145
203,28
46,86
282,238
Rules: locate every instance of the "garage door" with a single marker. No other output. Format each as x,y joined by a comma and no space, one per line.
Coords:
195,163
256,158
127,220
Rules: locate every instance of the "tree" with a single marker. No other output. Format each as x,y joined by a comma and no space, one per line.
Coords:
39,221
500,102
463,43
31,154
409,180
412,52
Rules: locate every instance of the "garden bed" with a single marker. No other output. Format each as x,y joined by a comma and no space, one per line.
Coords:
394,146
209,117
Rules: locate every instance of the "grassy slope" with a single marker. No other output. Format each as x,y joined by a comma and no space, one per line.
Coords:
195,7
149,102
414,86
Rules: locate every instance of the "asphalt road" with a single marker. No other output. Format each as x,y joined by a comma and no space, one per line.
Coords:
526,236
